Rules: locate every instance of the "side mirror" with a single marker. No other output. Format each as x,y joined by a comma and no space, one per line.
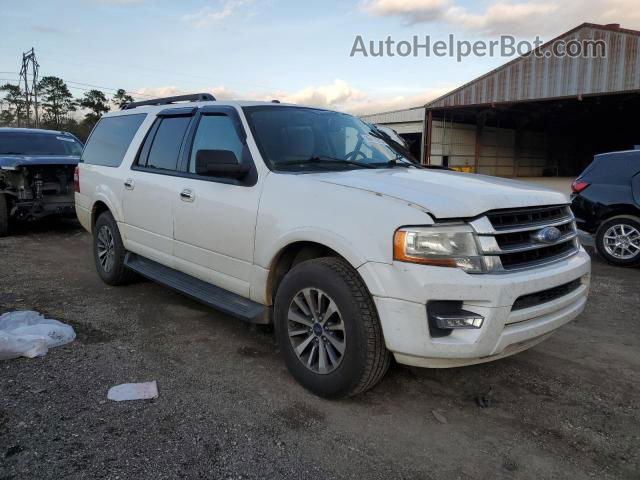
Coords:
219,163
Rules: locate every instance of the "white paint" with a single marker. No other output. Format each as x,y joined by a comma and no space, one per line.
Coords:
230,236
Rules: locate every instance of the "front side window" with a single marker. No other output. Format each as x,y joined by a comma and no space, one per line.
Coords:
298,138
215,132
110,140
165,149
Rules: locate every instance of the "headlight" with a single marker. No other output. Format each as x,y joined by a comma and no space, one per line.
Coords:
452,246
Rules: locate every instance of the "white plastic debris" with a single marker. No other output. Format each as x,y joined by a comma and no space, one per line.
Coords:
133,391
29,334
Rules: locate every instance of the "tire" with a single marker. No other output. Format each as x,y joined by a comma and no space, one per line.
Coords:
354,328
618,241
4,215
109,252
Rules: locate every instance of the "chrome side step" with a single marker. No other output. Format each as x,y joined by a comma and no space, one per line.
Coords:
210,295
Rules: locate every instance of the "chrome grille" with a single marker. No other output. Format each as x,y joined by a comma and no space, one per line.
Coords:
505,237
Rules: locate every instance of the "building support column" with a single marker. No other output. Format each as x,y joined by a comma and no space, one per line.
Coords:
426,159
476,163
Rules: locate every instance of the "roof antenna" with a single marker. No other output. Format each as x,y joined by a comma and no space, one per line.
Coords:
275,101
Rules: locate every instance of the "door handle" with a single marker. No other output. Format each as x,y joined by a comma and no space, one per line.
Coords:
129,184
187,195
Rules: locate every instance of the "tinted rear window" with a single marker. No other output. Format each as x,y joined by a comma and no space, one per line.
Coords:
167,142
613,168
17,143
110,140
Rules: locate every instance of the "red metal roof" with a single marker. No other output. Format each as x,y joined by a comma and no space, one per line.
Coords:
530,78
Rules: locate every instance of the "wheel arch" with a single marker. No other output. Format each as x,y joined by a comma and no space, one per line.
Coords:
98,208
294,253
622,210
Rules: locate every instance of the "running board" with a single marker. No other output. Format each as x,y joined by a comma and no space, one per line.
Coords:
212,296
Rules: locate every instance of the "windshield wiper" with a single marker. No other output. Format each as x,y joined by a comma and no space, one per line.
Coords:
395,163
321,159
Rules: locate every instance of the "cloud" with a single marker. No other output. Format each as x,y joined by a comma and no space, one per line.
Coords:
414,11
532,17
338,95
120,2
208,15
334,94
145,93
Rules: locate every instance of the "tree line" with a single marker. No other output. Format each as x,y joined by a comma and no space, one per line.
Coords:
55,106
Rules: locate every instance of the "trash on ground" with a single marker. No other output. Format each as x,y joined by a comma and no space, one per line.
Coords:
439,416
133,391
29,334
484,399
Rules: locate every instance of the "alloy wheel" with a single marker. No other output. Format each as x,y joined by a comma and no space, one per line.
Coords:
622,241
316,330
106,248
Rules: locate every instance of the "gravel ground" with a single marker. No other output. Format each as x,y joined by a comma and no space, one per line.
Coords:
568,408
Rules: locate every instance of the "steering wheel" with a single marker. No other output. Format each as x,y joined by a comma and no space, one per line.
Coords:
354,155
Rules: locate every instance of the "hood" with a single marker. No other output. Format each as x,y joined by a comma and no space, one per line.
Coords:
446,194
12,161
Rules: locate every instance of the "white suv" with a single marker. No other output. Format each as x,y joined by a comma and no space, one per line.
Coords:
326,227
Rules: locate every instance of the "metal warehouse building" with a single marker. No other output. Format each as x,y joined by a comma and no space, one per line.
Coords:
535,116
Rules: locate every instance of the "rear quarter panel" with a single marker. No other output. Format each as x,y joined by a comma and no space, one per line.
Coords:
106,184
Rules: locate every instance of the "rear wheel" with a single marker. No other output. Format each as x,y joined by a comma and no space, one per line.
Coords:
109,252
618,241
4,215
328,330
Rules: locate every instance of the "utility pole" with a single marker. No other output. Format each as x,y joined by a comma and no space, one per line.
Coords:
29,76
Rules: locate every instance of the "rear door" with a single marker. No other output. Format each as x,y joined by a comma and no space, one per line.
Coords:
215,218
151,187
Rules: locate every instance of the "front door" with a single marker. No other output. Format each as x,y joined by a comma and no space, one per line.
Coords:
215,218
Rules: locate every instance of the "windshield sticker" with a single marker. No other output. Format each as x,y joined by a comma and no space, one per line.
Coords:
66,139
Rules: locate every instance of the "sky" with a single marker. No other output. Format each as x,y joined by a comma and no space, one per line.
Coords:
291,50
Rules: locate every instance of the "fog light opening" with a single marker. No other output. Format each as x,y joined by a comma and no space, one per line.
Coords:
463,320
448,315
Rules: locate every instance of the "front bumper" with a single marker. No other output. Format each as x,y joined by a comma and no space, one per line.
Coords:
401,292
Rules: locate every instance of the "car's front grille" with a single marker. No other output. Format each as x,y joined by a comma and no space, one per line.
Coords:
513,239
514,218
545,296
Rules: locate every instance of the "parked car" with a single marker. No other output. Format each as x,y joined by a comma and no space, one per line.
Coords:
36,174
314,221
606,203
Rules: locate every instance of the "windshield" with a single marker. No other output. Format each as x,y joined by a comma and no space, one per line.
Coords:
297,138
14,143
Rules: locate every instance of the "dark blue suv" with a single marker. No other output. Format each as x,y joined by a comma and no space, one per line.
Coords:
36,173
606,203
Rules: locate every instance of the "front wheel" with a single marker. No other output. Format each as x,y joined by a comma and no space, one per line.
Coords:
328,330
618,241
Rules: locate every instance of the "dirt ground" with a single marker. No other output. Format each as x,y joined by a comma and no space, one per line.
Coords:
569,408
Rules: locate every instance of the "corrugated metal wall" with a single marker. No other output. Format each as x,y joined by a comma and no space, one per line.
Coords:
501,152
533,78
455,140
402,121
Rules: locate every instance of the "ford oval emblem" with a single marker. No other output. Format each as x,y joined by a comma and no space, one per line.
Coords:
546,235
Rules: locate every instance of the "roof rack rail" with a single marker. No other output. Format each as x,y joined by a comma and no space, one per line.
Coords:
196,97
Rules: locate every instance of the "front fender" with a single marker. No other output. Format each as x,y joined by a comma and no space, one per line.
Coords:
338,243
